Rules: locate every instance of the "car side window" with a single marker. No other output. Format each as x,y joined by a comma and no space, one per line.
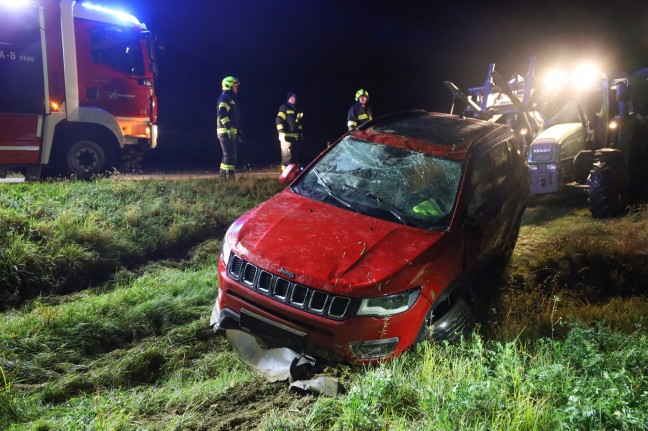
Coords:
490,171
481,183
500,157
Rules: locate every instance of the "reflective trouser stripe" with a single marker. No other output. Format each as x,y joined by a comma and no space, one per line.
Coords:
223,130
225,167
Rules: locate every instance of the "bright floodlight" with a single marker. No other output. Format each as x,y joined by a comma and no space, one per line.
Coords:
16,3
585,75
555,80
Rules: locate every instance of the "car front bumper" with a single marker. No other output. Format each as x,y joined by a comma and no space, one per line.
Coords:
356,339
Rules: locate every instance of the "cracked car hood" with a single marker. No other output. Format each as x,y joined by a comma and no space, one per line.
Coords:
324,246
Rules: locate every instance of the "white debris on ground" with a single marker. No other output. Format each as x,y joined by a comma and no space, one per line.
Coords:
282,364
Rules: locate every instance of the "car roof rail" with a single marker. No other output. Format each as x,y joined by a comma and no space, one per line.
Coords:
391,116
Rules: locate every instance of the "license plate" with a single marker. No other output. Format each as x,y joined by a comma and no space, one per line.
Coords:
281,334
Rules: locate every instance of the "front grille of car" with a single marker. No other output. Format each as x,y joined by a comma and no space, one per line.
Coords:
288,292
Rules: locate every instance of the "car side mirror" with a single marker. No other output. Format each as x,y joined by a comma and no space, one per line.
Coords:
289,174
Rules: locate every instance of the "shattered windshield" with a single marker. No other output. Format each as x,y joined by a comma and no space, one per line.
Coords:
385,182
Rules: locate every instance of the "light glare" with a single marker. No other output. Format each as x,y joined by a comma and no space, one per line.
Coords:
585,75
16,4
123,16
555,80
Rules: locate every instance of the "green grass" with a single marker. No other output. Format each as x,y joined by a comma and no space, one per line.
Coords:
594,379
115,282
63,236
136,348
597,270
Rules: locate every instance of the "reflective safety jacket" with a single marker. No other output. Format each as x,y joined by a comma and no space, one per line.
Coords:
229,116
358,115
289,122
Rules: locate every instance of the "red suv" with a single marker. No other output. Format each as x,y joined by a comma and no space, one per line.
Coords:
380,242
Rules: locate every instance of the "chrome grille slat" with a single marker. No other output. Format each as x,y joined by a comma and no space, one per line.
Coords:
283,290
299,295
317,301
339,306
265,282
249,274
236,266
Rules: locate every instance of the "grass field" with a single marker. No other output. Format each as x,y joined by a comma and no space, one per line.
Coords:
106,289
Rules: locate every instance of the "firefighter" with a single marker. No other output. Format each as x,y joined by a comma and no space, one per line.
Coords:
359,113
228,125
289,127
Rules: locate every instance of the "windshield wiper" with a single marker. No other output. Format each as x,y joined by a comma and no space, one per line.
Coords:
398,214
331,194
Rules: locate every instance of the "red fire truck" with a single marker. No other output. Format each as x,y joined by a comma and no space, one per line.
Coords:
76,88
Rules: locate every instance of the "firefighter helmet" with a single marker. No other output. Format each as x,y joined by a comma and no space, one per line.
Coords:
229,82
360,93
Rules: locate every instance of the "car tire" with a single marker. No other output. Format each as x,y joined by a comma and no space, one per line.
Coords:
84,157
450,319
608,185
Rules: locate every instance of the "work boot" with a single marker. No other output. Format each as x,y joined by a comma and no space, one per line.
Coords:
227,175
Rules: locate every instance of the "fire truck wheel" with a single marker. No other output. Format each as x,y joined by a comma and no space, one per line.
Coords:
85,157
608,185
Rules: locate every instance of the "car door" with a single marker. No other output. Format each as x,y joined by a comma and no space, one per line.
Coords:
491,205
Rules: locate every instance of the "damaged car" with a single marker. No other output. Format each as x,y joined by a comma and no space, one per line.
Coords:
378,244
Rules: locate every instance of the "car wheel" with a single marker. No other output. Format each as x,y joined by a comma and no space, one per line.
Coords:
449,320
608,185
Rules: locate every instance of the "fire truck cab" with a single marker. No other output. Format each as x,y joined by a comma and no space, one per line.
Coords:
76,88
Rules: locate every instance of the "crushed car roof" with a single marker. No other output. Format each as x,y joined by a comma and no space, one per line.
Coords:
446,134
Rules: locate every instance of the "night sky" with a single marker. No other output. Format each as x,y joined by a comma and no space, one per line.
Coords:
325,50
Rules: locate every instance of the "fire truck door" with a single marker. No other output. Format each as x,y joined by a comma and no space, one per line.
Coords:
22,85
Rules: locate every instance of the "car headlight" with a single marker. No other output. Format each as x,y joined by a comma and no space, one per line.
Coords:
388,305
225,253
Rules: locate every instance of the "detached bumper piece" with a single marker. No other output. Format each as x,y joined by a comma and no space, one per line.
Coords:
282,364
